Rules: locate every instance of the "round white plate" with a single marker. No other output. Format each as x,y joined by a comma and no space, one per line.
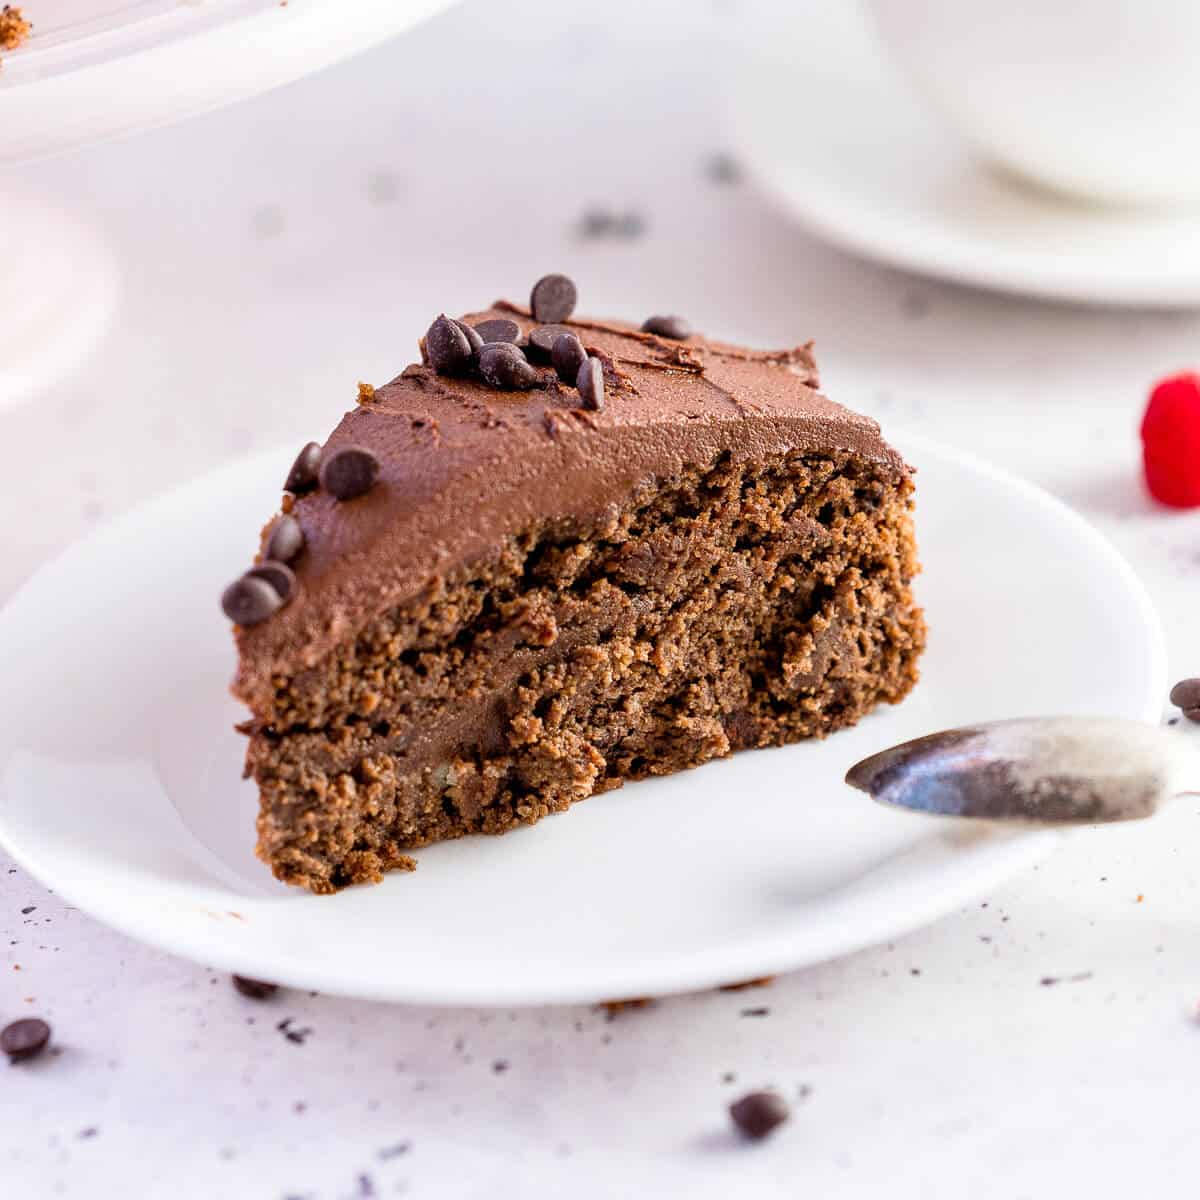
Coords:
120,774
839,138
100,68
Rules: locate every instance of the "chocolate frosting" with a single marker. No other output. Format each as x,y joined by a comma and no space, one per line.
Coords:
462,465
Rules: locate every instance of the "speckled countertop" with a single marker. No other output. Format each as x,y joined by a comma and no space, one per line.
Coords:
276,253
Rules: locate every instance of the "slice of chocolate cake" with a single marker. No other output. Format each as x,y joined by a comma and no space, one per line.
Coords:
549,560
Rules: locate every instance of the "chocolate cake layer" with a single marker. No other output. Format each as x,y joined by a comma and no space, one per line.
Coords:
537,601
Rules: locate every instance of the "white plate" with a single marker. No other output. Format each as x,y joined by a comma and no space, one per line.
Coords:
120,774
101,68
834,133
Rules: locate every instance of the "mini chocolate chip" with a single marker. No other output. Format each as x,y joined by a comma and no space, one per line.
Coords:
758,1113
1186,694
254,989
448,347
499,330
303,475
503,366
247,601
542,339
552,299
277,574
286,540
351,471
473,339
24,1039
568,355
668,327
590,382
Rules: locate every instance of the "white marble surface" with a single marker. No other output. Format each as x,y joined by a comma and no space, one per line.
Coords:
276,253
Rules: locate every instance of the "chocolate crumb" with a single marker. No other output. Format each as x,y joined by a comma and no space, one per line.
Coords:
390,1152
26,911
756,1012
759,1113
1052,980
90,1132
500,1066
254,989
297,1036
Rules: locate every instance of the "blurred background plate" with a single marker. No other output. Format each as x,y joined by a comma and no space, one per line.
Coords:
841,141
121,788
100,68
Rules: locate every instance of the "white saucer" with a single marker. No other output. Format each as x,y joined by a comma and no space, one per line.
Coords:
120,774
833,132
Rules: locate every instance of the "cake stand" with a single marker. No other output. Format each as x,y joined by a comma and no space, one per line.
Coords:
96,69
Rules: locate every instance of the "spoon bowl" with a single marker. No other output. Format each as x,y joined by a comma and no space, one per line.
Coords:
1043,771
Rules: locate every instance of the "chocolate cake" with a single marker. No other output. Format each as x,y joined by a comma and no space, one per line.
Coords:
554,556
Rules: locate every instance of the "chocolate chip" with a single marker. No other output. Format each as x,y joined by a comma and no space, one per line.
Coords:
503,366
1186,695
285,540
552,299
590,382
254,989
247,601
473,340
758,1113
668,327
542,339
303,475
352,470
499,330
277,574
448,347
568,355
24,1039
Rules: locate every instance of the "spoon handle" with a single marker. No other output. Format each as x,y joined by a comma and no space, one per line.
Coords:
1184,748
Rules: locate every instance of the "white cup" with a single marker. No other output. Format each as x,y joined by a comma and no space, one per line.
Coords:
1095,98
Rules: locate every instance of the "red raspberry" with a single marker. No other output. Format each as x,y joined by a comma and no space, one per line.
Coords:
1171,441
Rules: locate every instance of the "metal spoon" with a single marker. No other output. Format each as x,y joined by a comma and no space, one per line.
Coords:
1044,771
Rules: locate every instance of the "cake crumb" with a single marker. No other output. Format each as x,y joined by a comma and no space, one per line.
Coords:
764,981
613,1008
14,29
366,392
